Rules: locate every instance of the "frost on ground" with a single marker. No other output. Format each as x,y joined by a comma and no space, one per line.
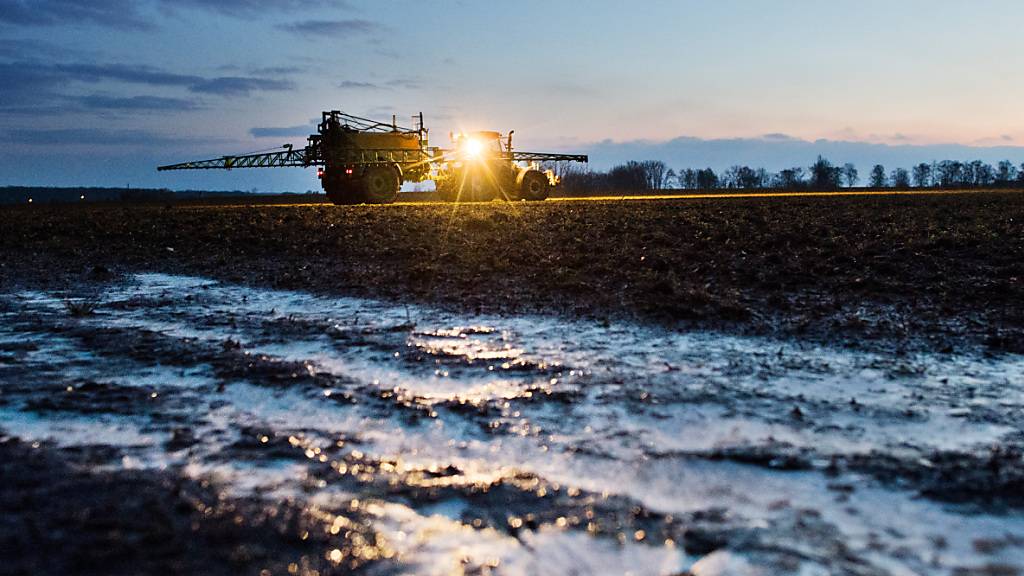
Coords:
291,433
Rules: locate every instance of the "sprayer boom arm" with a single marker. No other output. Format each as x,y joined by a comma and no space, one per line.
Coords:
518,156
287,157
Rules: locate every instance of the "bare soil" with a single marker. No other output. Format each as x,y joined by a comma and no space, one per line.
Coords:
921,271
917,280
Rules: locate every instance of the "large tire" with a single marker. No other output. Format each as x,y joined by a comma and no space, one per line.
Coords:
448,189
467,186
381,185
342,191
534,186
480,187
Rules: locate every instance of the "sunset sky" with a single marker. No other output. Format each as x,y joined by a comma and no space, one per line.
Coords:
99,92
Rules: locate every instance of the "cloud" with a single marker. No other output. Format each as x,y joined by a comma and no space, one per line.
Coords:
246,8
91,137
398,83
137,103
277,70
354,85
333,28
777,136
132,74
29,84
25,48
122,14
222,85
240,86
405,83
301,130
129,14
1001,140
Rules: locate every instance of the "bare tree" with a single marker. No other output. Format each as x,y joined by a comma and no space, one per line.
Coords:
984,174
950,173
850,175
749,178
688,178
629,176
923,175
825,176
1006,172
790,179
655,173
730,178
878,179
900,178
707,179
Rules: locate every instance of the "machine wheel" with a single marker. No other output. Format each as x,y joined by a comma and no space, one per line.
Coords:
345,195
342,191
380,185
464,186
479,187
535,186
448,190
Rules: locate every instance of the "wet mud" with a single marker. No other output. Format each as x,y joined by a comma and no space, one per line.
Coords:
940,273
173,424
66,513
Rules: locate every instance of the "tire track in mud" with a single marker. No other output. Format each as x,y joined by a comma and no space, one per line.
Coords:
484,388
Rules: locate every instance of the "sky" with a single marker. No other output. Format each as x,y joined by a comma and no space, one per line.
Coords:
100,92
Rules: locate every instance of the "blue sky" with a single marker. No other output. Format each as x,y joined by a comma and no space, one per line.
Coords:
98,92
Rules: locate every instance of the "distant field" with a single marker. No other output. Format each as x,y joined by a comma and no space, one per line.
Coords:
14,196
932,270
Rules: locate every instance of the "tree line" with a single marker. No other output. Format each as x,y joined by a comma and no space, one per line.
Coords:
821,175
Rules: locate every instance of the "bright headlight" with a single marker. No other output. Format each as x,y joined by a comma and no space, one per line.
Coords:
474,148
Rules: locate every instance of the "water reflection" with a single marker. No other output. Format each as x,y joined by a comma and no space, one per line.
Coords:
518,444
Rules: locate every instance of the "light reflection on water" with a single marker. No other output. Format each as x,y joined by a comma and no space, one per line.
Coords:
440,402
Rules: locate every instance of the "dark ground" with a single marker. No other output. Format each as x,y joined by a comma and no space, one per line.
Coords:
929,272
61,517
921,271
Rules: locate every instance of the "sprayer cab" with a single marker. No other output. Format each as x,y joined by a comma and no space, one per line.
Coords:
483,145
482,166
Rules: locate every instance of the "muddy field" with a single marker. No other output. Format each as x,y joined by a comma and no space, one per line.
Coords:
932,271
803,386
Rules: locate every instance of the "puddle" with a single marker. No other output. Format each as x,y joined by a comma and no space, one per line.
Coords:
532,444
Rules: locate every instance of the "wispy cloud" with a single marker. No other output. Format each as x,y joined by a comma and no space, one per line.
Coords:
355,85
395,84
240,86
133,15
123,14
29,84
246,8
25,48
125,73
91,137
405,83
332,28
137,103
301,130
1001,140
